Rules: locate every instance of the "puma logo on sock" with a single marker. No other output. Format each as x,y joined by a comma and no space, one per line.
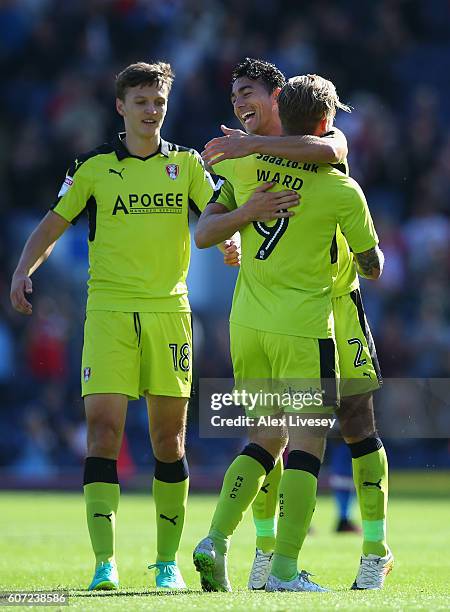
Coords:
107,516
167,518
367,483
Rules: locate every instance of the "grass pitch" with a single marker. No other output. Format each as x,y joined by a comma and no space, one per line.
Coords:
44,545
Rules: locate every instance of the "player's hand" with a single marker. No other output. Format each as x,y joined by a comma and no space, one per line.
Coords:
235,143
232,253
20,285
267,205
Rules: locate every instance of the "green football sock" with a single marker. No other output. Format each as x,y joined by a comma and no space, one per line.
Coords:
102,501
298,490
170,504
370,473
265,507
241,484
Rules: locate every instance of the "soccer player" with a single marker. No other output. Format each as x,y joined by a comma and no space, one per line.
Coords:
255,87
281,314
137,339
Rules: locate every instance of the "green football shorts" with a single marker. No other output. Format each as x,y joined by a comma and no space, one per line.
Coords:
133,353
358,362
287,370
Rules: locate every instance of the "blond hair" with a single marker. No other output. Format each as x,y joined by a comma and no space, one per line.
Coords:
305,100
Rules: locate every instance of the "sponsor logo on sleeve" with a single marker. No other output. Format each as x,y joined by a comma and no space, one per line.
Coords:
68,182
86,374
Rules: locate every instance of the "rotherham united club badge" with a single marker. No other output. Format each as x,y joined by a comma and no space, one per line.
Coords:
86,374
172,171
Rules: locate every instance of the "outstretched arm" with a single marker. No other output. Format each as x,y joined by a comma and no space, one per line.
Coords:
237,143
36,250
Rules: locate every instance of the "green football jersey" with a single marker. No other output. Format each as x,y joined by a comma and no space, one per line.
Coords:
287,266
139,242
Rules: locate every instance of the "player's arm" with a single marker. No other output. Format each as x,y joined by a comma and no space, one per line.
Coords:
358,228
202,189
331,148
36,250
71,201
370,263
231,250
217,223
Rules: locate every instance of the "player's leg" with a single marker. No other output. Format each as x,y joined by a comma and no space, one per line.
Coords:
167,424
105,416
297,492
247,472
316,360
241,484
360,372
166,376
109,377
370,475
265,509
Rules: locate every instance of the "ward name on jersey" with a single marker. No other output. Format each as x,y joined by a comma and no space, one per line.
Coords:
287,267
139,242
345,277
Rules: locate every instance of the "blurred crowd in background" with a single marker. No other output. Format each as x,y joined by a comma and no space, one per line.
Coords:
388,60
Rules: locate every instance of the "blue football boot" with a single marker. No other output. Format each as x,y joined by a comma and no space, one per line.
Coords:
168,576
105,578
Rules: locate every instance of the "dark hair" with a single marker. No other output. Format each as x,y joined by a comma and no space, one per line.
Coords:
260,70
142,73
305,100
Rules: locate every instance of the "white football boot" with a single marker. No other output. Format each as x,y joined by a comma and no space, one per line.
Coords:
260,571
373,571
301,582
212,566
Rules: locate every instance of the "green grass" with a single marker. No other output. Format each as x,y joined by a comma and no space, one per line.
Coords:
44,545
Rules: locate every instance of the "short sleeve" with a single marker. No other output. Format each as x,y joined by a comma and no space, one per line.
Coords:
355,219
224,193
75,192
201,187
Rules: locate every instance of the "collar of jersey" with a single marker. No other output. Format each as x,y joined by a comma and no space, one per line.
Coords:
122,152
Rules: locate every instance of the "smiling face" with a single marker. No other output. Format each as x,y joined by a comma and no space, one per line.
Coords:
255,107
143,109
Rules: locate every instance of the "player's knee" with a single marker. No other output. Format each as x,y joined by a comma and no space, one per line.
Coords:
356,417
304,461
261,455
274,445
104,439
168,446
365,447
309,444
171,471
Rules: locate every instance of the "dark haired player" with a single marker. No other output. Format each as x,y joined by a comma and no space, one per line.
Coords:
254,97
